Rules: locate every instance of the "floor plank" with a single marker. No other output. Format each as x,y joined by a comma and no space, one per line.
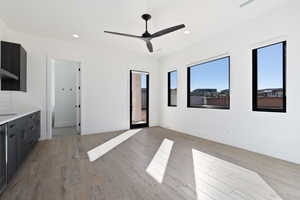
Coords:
60,169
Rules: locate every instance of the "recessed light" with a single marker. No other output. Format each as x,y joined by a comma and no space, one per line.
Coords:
75,36
187,32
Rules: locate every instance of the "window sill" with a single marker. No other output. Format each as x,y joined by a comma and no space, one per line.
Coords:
211,107
269,110
172,105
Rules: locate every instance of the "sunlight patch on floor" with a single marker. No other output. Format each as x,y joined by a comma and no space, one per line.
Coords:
159,162
102,149
217,179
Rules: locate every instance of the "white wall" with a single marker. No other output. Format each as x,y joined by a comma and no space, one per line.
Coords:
65,92
105,80
274,134
105,86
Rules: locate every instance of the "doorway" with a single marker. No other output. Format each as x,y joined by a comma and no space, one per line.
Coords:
139,99
64,94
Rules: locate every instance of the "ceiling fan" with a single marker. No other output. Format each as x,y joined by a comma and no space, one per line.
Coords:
147,37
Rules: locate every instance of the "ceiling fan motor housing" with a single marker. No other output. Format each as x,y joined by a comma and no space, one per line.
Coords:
146,17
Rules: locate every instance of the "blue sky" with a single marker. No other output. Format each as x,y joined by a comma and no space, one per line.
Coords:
173,77
214,75
269,67
144,80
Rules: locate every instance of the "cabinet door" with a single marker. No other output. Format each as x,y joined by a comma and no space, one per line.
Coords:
2,158
11,153
21,150
37,123
10,61
33,124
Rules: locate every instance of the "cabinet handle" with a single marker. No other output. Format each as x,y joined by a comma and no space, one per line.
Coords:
12,125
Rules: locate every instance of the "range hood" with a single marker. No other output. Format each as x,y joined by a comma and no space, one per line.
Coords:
6,74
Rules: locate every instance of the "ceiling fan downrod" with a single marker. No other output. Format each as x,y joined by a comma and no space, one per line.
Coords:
146,17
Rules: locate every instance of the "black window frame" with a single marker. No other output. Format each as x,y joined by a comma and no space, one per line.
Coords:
131,124
169,88
255,84
189,85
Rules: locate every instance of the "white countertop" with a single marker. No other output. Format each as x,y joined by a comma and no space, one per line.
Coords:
21,112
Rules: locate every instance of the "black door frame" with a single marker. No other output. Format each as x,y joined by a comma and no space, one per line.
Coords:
132,126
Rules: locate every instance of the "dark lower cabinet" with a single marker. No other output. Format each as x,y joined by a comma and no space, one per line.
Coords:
12,163
37,130
22,134
21,148
2,158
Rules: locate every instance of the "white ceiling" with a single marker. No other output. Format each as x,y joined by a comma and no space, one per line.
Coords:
89,18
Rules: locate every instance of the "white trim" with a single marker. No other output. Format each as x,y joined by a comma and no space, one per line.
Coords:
171,69
269,42
48,99
223,55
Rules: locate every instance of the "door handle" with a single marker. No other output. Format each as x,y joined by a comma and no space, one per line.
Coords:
12,135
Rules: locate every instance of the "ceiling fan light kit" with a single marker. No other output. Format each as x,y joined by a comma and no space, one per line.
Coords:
146,36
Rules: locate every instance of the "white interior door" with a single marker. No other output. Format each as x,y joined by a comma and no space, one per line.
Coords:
78,99
65,112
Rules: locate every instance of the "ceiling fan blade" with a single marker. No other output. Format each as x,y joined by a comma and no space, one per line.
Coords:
149,46
123,34
167,30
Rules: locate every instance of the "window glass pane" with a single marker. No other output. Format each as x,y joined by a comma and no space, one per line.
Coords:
269,94
172,88
209,84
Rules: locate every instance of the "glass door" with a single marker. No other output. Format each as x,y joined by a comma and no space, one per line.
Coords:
139,99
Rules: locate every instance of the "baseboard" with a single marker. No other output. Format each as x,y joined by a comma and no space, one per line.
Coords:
231,145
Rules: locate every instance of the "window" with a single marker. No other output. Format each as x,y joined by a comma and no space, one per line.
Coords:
172,88
208,84
269,78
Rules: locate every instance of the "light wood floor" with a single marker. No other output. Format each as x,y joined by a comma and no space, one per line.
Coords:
64,131
59,169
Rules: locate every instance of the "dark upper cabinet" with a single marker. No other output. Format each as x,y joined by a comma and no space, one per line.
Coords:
14,60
